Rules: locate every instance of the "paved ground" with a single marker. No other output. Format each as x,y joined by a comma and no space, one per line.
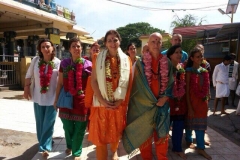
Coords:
18,139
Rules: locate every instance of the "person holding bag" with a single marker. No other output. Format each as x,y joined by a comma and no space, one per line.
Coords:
73,75
44,72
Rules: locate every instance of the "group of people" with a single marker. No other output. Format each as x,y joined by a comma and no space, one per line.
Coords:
120,96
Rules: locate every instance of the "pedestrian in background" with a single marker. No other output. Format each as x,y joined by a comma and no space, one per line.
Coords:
94,49
221,83
73,75
111,82
44,69
233,77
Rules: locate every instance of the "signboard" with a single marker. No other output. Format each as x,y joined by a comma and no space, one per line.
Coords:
55,39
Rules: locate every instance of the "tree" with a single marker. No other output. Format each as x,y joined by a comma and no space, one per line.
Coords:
131,33
186,21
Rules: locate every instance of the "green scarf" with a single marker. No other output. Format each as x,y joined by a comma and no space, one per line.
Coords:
143,115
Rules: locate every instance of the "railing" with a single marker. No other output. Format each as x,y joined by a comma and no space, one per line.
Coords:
10,58
9,73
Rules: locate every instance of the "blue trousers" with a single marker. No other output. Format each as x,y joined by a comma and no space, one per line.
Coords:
199,138
45,118
177,134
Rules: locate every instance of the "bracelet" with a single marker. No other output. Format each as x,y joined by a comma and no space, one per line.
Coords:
27,85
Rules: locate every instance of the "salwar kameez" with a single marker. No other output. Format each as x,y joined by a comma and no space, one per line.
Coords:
75,120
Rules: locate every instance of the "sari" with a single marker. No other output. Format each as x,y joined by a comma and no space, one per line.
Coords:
144,116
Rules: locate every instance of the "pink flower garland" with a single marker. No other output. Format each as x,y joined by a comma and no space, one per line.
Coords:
45,78
147,60
179,86
71,80
204,91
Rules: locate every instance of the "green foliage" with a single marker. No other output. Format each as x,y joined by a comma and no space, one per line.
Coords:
186,21
131,33
189,44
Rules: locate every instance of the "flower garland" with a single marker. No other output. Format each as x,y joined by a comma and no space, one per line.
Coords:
194,78
179,83
204,63
109,66
179,86
45,77
75,81
163,72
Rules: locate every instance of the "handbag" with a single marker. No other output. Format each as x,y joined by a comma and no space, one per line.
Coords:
65,100
238,90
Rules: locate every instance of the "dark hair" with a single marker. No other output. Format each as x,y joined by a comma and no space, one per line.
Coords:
39,48
172,49
94,44
128,46
73,40
192,53
112,32
227,58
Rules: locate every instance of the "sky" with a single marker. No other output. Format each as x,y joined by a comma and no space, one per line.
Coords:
99,16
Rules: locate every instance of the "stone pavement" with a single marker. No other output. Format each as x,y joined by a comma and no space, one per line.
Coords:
17,114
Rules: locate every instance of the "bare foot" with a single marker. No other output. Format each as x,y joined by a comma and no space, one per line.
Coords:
77,158
45,154
115,156
191,145
225,113
68,151
181,154
207,143
204,154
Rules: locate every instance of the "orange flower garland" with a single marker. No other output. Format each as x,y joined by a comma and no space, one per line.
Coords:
112,71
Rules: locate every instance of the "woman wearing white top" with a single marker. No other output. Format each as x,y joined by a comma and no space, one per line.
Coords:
44,68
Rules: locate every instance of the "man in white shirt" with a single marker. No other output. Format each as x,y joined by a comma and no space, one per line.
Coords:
233,76
220,83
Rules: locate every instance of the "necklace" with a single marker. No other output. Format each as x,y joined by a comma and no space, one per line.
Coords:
75,78
45,77
162,71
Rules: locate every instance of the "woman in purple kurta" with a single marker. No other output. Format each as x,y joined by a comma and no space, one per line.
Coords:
74,120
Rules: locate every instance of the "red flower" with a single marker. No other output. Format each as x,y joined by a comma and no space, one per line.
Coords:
73,90
45,77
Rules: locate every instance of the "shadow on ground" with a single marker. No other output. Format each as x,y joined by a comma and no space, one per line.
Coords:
28,154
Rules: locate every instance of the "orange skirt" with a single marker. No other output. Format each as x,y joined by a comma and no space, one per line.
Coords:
106,126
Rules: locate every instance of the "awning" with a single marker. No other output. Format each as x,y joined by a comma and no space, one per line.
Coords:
228,30
207,33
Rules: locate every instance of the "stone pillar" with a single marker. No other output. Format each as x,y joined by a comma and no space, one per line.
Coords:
71,35
33,39
2,50
10,42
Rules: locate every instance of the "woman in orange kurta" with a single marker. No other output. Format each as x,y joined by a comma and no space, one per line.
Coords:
111,83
